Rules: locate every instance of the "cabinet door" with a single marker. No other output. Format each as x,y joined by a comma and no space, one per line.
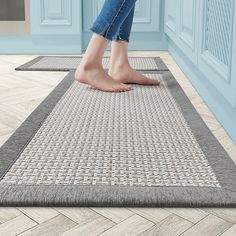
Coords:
147,16
172,10
216,45
188,28
53,17
181,21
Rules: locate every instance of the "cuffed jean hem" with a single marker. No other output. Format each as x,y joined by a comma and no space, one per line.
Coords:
119,38
96,30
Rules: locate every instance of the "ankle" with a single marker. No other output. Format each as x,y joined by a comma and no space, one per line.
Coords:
90,64
119,65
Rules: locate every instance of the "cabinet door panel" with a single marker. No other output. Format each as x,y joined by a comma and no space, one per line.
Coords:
147,16
188,22
171,17
188,29
55,17
181,17
215,53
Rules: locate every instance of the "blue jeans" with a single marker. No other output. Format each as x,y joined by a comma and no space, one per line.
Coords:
115,20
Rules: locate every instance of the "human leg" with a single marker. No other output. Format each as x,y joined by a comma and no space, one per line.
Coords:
119,53
105,27
114,19
120,68
123,33
91,72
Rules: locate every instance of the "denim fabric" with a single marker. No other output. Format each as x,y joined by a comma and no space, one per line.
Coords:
115,20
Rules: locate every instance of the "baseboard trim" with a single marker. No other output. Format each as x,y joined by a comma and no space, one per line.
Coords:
41,44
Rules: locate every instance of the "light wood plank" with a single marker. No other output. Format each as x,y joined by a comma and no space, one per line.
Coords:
228,214
16,95
39,214
115,214
209,226
133,225
8,213
9,117
173,225
52,227
79,214
16,225
153,214
30,105
4,129
190,214
90,228
16,81
230,232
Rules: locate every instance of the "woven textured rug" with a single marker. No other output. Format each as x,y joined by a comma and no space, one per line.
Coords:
66,63
148,147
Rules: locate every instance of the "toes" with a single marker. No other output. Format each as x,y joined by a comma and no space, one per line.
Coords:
155,82
118,89
150,81
124,89
128,89
127,86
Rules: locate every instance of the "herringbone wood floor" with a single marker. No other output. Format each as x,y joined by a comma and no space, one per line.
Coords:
21,92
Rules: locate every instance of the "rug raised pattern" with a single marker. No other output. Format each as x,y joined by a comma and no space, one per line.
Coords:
138,138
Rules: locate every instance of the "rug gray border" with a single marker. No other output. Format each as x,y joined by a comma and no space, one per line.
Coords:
120,196
26,67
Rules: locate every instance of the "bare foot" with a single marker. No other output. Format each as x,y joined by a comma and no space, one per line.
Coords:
99,79
126,74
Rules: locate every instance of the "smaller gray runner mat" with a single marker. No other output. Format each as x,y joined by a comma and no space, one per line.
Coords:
66,63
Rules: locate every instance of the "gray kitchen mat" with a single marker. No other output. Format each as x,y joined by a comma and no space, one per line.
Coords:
66,63
147,147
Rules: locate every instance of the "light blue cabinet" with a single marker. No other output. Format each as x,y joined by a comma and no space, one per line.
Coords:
202,39
62,26
56,28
